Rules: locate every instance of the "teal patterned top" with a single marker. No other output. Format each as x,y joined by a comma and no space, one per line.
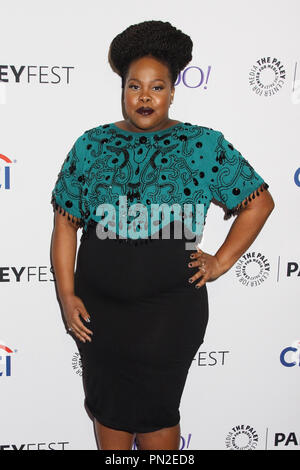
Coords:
184,164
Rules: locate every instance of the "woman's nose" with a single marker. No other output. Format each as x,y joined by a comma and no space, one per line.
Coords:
144,96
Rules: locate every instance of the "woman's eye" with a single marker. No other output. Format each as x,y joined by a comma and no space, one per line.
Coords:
136,86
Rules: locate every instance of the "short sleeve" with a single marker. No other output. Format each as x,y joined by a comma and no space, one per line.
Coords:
234,182
66,195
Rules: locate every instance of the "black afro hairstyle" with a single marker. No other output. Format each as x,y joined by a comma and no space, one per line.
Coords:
158,39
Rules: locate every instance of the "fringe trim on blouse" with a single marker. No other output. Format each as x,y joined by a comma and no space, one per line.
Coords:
235,210
56,207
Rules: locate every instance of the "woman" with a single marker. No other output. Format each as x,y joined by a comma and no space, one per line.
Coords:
137,321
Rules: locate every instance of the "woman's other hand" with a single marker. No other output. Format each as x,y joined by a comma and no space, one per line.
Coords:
74,308
209,267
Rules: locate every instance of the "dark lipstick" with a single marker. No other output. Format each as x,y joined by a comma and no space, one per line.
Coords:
145,111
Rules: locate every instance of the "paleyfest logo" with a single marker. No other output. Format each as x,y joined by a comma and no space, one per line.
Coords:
267,76
45,74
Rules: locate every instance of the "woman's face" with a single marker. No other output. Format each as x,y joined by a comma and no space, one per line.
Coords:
147,85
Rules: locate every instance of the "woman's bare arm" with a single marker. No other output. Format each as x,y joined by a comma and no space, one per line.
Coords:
244,230
63,251
241,235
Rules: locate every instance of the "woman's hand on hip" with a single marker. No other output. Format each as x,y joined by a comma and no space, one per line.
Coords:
208,266
74,308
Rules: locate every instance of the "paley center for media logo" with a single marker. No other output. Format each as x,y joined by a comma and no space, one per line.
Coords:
267,76
6,359
242,437
252,269
245,437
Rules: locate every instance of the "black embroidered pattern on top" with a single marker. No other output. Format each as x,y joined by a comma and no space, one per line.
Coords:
173,167
148,169
226,179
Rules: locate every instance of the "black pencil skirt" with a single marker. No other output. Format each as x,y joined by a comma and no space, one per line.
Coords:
148,322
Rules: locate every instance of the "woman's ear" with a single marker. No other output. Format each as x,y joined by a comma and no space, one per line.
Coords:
123,104
172,94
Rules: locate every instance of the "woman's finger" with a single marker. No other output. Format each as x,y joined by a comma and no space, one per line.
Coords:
80,337
73,330
202,282
196,254
84,313
79,325
81,334
80,312
204,274
198,262
201,272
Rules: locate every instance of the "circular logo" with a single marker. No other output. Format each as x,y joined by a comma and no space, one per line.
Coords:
267,76
242,437
252,269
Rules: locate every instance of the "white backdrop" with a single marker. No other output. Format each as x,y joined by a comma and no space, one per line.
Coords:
242,390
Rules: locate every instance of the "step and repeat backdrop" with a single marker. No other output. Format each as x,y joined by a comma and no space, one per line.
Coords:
242,391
